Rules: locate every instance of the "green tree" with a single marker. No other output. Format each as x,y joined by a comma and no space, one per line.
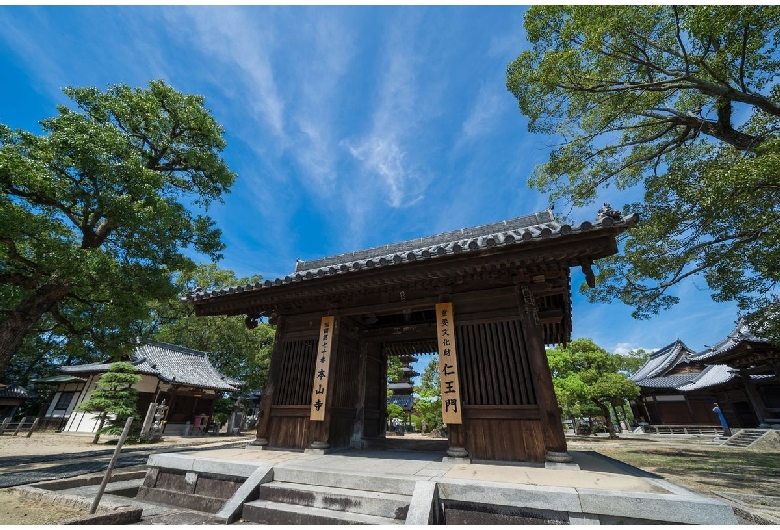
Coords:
235,349
632,361
394,371
682,102
394,411
113,399
97,212
427,400
586,376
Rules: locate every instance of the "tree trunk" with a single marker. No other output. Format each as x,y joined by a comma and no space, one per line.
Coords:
21,322
614,411
100,426
608,419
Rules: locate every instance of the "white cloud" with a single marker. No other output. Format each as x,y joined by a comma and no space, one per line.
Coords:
384,151
329,49
242,45
384,157
487,108
510,45
20,34
622,348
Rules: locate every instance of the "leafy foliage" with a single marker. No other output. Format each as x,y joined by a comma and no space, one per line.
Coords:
96,214
682,101
394,411
632,361
586,380
113,399
428,396
394,372
234,349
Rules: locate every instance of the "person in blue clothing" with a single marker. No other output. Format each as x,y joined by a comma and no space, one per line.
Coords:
722,418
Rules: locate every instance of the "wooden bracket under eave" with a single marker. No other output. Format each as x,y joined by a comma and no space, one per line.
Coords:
590,278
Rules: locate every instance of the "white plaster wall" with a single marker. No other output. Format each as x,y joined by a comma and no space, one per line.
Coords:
82,421
148,383
88,422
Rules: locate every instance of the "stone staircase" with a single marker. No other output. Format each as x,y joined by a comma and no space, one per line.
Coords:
746,437
299,496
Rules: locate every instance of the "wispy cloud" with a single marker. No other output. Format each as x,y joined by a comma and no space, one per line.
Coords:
21,32
485,111
384,151
326,53
510,44
242,45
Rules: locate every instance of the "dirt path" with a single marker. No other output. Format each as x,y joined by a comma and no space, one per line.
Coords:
49,443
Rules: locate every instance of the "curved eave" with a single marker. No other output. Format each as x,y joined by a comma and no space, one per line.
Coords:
518,246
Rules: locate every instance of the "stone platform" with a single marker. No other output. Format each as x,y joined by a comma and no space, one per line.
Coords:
406,487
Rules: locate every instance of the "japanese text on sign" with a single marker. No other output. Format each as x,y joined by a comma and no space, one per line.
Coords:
448,365
322,369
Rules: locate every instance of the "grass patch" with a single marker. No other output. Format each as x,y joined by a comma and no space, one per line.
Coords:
697,459
706,469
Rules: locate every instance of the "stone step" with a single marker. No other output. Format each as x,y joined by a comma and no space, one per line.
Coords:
339,479
389,505
276,513
745,438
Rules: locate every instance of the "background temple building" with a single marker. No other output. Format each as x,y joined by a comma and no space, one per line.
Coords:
11,398
741,373
183,377
486,298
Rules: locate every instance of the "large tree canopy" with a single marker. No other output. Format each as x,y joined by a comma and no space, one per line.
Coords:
683,101
96,213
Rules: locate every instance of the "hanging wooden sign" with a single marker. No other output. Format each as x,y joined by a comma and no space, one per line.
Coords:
322,369
448,365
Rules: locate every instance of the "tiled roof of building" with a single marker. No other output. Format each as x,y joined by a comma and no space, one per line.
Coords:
669,381
172,364
741,333
405,402
400,387
16,392
663,360
518,231
713,375
57,379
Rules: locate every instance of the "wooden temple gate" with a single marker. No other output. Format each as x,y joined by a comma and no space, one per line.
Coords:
487,299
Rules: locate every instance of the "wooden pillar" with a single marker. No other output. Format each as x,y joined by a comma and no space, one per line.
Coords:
261,438
755,399
690,409
659,411
383,395
172,391
360,399
648,419
550,414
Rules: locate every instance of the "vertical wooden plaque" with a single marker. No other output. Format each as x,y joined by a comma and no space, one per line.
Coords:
319,392
448,365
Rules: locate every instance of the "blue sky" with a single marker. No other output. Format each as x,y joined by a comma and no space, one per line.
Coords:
349,127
